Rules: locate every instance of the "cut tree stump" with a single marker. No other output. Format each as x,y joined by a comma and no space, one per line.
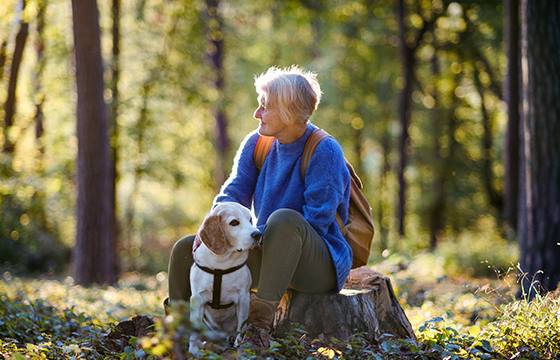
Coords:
367,304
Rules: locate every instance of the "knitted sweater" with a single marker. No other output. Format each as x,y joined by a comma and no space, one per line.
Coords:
279,185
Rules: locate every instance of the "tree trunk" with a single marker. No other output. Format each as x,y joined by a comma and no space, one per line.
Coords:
10,105
3,57
408,48
93,257
386,169
539,202
38,79
215,56
511,96
494,196
316,9
437,207
407,61
141,125
367,304
113,125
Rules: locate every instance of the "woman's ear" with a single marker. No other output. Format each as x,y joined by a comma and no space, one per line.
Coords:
212,235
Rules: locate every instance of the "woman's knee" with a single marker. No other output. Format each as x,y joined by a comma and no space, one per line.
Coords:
282,227
283,218
183,247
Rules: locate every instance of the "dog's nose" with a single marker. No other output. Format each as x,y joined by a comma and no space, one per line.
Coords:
257,236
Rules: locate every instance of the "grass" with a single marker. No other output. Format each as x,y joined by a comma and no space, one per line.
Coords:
454,317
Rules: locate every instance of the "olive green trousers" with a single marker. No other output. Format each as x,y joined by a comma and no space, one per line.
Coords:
293,256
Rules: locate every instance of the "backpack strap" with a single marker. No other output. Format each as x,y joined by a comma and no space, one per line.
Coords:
313,141
264,143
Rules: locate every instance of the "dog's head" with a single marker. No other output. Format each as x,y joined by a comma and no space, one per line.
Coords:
228,228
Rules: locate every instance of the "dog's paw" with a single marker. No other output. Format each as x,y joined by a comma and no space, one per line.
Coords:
237,341
194,349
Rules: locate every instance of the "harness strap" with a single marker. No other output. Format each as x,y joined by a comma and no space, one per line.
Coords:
217,287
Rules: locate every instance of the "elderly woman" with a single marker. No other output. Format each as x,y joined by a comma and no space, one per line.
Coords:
302,248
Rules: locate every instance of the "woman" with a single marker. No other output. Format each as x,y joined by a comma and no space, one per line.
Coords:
303,248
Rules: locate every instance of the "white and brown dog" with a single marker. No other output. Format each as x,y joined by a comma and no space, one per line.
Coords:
220,280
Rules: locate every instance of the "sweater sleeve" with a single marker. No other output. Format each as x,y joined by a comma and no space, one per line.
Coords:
327,192
240,186
327,187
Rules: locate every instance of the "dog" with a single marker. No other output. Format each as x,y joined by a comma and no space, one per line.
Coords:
220,280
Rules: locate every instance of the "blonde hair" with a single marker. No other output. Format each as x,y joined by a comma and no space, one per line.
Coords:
293,92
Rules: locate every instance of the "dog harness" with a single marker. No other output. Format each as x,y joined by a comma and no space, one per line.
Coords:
217,288
218,273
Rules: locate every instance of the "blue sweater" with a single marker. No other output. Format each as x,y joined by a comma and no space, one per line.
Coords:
279,185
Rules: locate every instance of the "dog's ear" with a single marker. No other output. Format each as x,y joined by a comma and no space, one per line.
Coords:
212,235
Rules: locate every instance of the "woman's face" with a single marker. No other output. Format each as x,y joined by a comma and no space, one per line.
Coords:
270,123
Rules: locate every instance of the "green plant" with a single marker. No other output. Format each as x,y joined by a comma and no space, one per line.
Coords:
49,319
529,326
47,331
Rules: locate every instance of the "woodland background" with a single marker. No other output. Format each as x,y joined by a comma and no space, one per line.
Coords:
416,92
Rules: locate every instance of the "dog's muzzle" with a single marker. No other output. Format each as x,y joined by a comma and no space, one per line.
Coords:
257,236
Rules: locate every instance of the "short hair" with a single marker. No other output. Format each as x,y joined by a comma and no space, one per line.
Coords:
293,92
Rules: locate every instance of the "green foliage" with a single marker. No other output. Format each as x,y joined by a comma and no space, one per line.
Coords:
522,330
45,319
167,161
45,331
29,241
532,326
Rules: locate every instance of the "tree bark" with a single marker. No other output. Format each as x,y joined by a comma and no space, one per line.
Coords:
437,207
539,202
38,77
511,96
367,304
3,57
93,257
215,55
408,48
494,196
407,61
113,125
10,105
386,169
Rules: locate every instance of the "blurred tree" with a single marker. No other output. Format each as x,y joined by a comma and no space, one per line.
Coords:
494,197
409,42
170,93
453,155
407,63
93,257
10,104
3,57
39,94
539,202
215,54
438,204
315,8
511,96
113,115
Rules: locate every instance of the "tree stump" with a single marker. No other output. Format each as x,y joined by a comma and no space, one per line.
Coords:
367,304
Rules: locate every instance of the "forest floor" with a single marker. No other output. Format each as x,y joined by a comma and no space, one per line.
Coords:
453,317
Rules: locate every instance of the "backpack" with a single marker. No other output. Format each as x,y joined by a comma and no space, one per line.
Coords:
359,229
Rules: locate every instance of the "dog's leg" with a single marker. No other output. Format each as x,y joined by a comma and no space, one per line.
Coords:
197,313
242,314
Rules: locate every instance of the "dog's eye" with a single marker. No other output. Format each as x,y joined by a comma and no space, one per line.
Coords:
234,222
